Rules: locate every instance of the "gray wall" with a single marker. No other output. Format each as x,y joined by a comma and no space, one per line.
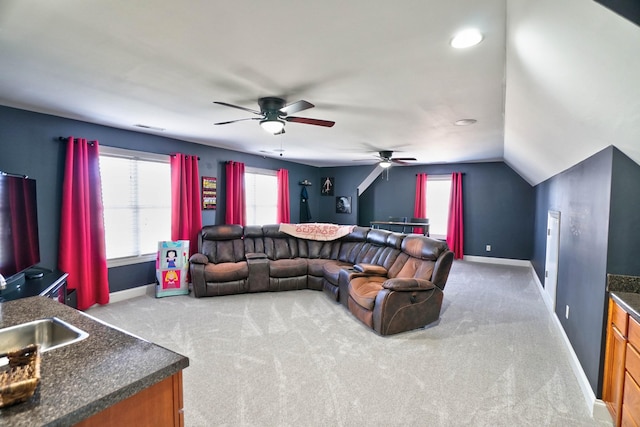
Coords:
599,204
624,221
498,205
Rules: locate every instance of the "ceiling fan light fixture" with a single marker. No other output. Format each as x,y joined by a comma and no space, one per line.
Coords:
272,126
466,38
385,164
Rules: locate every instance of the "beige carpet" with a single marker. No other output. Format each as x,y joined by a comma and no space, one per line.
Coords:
297,359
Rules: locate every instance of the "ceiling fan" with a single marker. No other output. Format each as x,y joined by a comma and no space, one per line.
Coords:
387,160
274,113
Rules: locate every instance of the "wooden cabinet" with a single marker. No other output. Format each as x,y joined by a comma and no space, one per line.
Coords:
157,406
621,391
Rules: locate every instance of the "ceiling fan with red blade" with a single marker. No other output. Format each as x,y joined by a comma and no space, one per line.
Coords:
274,113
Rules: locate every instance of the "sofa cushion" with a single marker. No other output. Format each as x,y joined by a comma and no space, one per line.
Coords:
315,267
363,290
316,249
253,239
226,271
282,268
413,267
423,247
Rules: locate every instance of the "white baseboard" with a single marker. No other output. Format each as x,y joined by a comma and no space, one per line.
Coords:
132,293
502,261
599,409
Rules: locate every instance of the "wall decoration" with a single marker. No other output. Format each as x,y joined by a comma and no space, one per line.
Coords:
328,183
209,192
343,204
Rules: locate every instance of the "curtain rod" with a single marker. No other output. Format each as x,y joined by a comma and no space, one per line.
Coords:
66,138
187,155
448,173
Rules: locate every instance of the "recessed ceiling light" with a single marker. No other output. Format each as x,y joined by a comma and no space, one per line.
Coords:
466,38
465,122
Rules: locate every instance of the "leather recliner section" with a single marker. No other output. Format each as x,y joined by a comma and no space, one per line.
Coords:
390,281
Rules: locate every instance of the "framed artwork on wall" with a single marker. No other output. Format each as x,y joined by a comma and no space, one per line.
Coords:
209,192
343,204
328,182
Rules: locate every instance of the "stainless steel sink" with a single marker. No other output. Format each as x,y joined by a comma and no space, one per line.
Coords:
49,333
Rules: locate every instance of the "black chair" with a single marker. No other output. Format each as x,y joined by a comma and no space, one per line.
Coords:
398,228
422,220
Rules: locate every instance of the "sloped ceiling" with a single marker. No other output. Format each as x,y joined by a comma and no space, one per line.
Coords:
384,72
573,85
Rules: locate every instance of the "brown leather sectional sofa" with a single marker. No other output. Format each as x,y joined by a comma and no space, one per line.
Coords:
392,282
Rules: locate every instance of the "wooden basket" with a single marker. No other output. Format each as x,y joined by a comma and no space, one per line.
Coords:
18,380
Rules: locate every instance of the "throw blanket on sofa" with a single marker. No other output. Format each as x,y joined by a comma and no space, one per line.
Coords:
316,231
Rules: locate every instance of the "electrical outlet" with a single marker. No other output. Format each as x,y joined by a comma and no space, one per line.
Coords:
566,312
488,248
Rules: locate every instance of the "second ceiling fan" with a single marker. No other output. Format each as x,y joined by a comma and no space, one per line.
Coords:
387,160
274,113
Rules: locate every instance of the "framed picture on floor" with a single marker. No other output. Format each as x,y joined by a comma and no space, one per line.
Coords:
343,204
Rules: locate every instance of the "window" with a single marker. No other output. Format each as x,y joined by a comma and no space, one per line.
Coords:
261,196
136,193
438,194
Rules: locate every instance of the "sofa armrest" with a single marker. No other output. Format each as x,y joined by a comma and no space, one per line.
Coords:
199,258
408,284
370,269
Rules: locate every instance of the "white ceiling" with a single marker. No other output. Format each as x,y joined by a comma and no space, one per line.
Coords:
383,71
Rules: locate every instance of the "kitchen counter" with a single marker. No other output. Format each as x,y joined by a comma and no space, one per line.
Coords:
625,290
82,379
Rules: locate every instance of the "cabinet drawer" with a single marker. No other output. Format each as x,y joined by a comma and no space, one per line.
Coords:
634,334
631,399
620,318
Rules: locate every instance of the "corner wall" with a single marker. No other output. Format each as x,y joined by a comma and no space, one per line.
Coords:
498,205
582,195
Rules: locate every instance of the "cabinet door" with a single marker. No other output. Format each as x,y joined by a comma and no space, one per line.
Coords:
631,407
160,405
614,372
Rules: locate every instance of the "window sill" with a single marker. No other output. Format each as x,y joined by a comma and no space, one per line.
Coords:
119,262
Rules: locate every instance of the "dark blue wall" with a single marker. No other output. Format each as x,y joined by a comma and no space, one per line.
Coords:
29,145
498,205
582,195
346,182
624,221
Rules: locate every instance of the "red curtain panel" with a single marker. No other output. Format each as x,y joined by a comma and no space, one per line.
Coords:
236,211
455,228
284,211
420,204
186,218
82,251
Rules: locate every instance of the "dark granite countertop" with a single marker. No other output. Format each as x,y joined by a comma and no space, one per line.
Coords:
82,379
625,290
